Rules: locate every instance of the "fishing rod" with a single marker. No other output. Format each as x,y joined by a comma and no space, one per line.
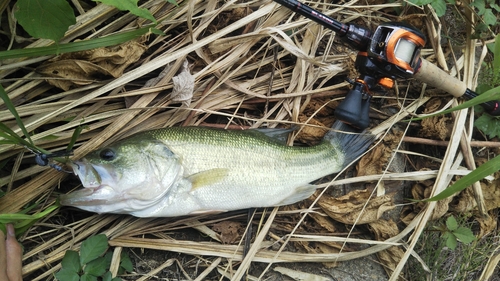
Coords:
391,51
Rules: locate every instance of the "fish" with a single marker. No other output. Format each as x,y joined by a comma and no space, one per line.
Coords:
182,171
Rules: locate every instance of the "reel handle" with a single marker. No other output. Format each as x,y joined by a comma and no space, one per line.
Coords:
438,78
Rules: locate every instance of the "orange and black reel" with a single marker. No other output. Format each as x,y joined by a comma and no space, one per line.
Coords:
392,51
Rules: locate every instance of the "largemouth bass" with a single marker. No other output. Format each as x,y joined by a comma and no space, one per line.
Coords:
189,170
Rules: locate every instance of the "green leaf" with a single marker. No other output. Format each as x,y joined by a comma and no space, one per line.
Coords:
67,275
451,241
110,40
489,18
481,7
157,31
481,88
495,6
496,55
96,267
451,223
13,110
92,248
131,6
10,137
421,2
464,234
126,263
22,221
71,261
74,137
489,125
482,171
439,6
107,259
48,19
107,276
20,216
87,277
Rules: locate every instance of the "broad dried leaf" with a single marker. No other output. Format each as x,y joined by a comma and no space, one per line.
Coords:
435,127
324,222
72,72
83,68
347,209
384,230
229,231
423,190
322,248
114,59
374,161
183,85
487,225
309,134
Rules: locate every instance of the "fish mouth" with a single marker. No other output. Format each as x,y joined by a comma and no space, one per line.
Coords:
94,192
82,197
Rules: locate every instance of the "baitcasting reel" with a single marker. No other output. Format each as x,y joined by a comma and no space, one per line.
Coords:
392,51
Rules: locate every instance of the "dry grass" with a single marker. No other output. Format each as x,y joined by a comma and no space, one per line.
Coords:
255,64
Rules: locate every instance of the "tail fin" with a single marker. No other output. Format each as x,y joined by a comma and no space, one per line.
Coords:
352,142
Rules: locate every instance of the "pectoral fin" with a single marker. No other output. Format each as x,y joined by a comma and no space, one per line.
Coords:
300,194
207,177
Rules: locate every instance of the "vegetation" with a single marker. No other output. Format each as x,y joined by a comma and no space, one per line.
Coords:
489,79
452,233
484,8
462,262
92,262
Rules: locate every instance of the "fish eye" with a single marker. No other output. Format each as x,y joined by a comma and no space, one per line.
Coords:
107,154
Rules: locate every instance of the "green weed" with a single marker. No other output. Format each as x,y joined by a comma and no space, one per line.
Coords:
490,78
452,233
92,263
463,262
484,9
23,221
52,19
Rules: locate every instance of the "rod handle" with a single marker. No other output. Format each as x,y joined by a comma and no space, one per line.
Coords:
438,78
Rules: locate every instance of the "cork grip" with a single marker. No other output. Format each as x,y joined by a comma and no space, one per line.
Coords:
438,78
